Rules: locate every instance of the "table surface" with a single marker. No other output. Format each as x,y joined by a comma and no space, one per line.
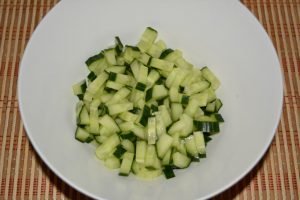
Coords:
23,175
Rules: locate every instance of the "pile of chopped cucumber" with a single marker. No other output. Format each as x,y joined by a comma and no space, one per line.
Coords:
148,109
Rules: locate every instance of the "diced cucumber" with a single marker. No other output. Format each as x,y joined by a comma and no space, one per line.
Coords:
147,39
119,108
79,106
202,98
211,127
99,93
105,131
120,62
185,99
152,77
142,172
104,150
94,121
131,53
126,126
106,97
128,145
141,149
135,68
192,77
211,107
170,79
176,110
159,92
200,142
182,63
140,86
109,123
87,98
218,117
210,76
161,64
144,58
119,151
139,132
119,45
97,83
168,171
119,95
211,95
124,79
192,106
177,127
196,87
100,138
163,145
112,162
146,114
116,69
143,73
180,160
219,105
140,103
165,115
156,49
152,130
181,147
126,164
180,76
83,118
188,125
102,109
146,108
157,163
206,118
150,157
128,136
184,126
128,116
199,113
82,135
94,58
160,126
173,56
175,96
165,53
110,56
79,89
190,145
167,158
97,63
149,93
112,76
114,85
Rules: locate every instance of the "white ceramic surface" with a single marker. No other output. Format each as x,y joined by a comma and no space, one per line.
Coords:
220,34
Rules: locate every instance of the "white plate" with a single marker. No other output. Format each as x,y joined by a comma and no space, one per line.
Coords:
221,34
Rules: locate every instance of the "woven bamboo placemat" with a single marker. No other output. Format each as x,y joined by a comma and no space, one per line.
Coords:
24,176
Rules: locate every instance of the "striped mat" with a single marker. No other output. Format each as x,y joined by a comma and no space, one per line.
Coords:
24,176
